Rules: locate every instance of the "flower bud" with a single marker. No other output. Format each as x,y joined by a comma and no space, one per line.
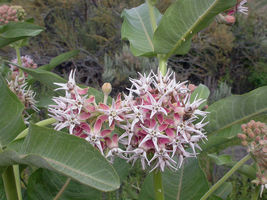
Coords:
229,19
106,88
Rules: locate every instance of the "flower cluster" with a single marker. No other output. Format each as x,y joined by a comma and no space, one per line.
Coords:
18,85
254,137
26,61
11,13
158,120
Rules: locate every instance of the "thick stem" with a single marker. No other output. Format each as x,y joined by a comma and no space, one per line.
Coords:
40,123
158,187
10,184
225,177
152,15
62,189
17,180
19,59
162,64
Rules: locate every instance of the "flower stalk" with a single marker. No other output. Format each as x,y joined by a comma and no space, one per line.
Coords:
40,123
158,187
225,177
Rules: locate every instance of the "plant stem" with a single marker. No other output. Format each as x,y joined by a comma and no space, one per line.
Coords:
158,187
40,123
162,64
152,15
10,184
17,180
19,59
62,189
225,177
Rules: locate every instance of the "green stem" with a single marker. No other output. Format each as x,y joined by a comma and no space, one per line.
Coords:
40,123
158,187
256,193
152,15
162,64
62,189
19,59
225,177
17,180
10,184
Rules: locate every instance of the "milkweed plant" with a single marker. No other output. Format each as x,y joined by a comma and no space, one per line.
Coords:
162,125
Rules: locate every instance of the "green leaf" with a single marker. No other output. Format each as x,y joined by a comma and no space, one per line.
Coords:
11,122
4,41
179,185
227,115
137,28
201,92
182,20
59,59
19,29
224,190
44,185
49,78
66,154
226,160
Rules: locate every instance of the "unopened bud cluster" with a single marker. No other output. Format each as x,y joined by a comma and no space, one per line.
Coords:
18,85
154,123
11,14
228,17
254,137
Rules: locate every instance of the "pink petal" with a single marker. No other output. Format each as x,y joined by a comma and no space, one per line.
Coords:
91,99
104,106
152,123
163,141
163,127
82,91
115,138
84,115
98,125
170,132
169,121
160,118
105,132
85,127
103,117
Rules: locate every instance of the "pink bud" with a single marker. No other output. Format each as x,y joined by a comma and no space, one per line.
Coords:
230,19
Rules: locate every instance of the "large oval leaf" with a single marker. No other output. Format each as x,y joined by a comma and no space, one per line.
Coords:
11,122
137,28
65,154
227,115
182,20
188,183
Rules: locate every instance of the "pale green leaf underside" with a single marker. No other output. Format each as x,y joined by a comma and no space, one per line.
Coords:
11,122
227,115
138,30
65,154
182,20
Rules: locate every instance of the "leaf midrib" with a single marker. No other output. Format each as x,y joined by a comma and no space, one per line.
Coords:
239,120
145,30
191,28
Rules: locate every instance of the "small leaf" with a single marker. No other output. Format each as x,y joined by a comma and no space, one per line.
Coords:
66,154
59,59
138,30
11,122
182,20
179,185
19,29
